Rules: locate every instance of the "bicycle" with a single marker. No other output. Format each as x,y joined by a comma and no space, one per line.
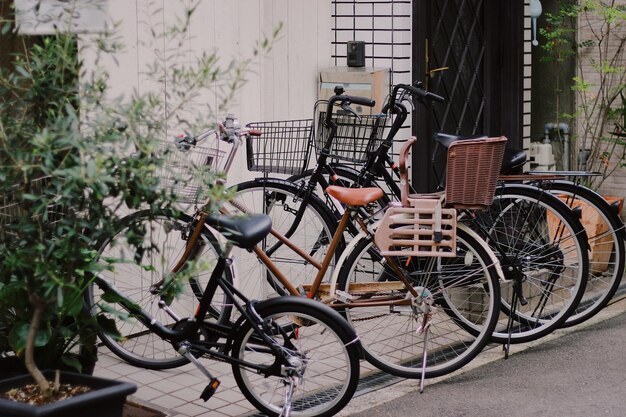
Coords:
400,296
289,356
523,321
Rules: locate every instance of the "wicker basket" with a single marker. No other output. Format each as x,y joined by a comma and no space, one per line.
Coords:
180,170
422,229
283,147
472,171
356,137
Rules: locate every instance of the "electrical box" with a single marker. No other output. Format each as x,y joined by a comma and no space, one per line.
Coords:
541,157
364,82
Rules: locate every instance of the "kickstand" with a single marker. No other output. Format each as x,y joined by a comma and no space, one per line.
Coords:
509,325
424,356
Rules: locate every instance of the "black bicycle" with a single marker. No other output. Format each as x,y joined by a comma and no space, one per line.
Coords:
289,355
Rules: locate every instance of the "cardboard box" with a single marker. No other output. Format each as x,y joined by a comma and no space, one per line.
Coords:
367,82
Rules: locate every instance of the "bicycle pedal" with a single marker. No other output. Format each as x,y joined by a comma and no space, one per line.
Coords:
210,389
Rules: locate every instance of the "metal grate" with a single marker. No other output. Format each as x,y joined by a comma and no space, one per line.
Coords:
458,42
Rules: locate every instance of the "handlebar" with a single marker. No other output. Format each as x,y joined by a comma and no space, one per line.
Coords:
417,90
345,101
228,131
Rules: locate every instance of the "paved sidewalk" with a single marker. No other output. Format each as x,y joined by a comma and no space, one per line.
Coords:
577,372
176,392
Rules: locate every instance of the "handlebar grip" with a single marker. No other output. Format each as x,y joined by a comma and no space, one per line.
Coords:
421,93
364,101
255,132
435,97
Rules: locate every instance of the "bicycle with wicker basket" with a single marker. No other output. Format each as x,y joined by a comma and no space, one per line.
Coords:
395,307
539,242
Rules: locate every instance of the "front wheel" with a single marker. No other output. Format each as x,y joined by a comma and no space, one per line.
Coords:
318,344
458,299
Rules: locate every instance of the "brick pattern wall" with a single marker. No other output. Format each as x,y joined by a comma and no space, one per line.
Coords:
386,27
527,82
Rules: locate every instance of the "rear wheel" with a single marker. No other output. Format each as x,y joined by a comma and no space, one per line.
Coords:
605,234
314,340
542,250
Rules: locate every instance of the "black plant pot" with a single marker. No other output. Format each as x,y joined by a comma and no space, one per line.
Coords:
106,399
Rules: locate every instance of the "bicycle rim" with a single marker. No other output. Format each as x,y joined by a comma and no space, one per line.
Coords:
332,365
605,235
464,291
313,235
542,241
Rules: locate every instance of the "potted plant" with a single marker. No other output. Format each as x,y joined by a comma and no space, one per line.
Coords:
72,163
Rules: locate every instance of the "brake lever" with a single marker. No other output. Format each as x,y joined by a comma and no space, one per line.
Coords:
345,106
184,141
404,97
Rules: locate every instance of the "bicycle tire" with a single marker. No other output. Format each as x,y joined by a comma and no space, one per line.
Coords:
605,234
281,200
163,244
330,351
537,235
466,287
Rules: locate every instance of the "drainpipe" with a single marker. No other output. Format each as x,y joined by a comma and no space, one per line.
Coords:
564,129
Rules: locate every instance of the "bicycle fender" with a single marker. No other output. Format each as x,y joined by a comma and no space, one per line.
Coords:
342,258
494,259
322,309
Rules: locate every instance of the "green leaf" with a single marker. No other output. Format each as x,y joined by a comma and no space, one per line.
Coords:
73,362
107,326
19,334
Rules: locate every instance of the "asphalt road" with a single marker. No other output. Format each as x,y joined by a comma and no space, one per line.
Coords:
578,372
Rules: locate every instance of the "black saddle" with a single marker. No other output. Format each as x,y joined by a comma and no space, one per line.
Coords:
512,162
244,231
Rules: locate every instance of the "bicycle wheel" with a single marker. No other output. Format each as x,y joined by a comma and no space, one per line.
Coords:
463,290
313,233
542,249
315,339
605,234
162,240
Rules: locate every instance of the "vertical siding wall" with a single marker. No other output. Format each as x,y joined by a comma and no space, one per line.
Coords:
283,83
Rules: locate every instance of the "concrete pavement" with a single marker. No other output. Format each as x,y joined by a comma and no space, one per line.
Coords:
580,371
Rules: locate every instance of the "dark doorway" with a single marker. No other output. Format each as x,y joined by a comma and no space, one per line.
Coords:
471,53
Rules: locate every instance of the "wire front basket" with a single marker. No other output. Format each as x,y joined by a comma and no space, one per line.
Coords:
283,147
11,203
356,138
183,167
